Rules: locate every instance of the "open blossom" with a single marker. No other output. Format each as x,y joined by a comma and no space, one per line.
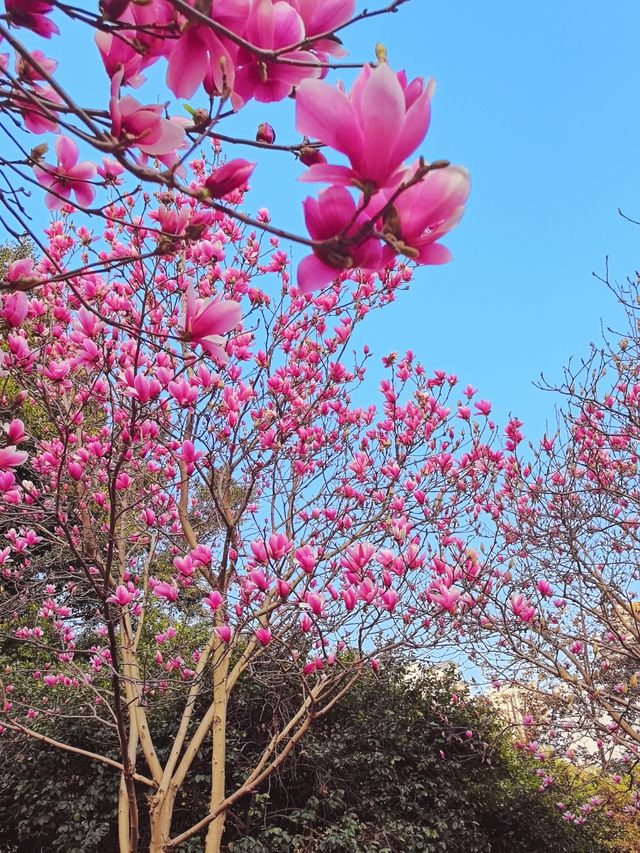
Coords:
278,545
31,14
522,608
207,320
67,177
143,126
213,600
122,596
162,589
11,457
118,54
202,56
326,217
272,26
38,107
377,126
324,16
28,72
15,309
445,597
110,172
425,212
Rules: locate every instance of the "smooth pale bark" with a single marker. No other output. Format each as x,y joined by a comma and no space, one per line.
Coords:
218,738
161,814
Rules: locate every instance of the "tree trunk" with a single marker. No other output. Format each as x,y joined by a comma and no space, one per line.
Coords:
161,814
127,816
219,737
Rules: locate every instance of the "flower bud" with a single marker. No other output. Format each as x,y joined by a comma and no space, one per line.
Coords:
265,133
230,176
310,156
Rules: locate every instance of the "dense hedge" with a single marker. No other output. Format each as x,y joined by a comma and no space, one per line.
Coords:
395,767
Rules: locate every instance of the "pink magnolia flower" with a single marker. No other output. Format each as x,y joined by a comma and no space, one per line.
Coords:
162,589
522,608
315,603
110,172
213,600
327,218
75,470
118,54
122,596
283,588
265,133
310,156
147,20
545,588
189,453
389,599
15,431
224,632
20,273
259,578
306,558
424,213
272,26
184,565
324,16
11,457
67,177
200,55
377,126
483,407
230,176
350,598
278,545
27,72
263,636
15,309
141,126
446,597
31,14
207,320
259,551
38,111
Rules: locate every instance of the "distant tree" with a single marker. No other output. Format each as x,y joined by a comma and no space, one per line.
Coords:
561,618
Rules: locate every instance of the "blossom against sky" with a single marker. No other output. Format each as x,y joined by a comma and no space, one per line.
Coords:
538,102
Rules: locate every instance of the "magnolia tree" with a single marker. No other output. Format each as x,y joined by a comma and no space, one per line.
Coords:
561,618
170,520
187,486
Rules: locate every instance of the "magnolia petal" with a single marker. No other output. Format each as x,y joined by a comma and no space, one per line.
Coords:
314,274
67,152
187,65
325,113
326,173
434,254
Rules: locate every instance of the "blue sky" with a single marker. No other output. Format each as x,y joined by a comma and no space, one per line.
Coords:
540,102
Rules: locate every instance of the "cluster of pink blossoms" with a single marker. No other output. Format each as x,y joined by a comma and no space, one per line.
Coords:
402,209
377,207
